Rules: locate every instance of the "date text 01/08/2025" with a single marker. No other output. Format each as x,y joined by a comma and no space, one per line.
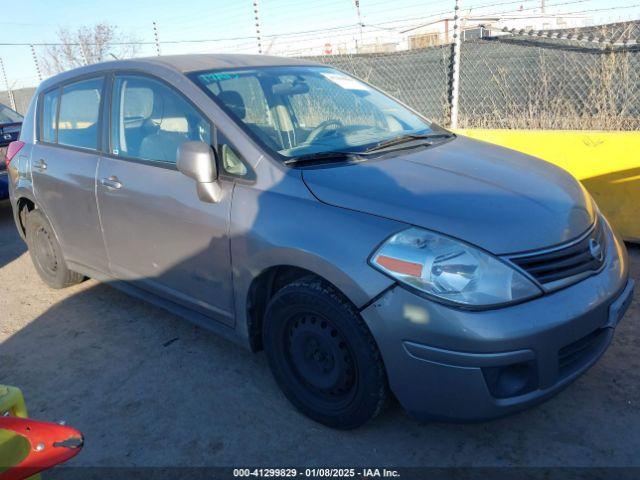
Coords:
316,473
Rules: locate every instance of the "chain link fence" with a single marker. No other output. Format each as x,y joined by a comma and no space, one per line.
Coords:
515,82
585,80
21,97
564,79
418,78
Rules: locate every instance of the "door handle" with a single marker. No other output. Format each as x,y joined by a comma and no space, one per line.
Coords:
41,164
112,183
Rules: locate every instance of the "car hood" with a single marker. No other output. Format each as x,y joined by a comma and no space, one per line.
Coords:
493,197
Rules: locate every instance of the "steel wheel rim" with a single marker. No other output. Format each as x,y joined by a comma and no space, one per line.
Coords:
45,251
320,358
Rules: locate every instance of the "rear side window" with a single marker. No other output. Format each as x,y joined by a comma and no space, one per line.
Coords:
49,116
79,114
150,120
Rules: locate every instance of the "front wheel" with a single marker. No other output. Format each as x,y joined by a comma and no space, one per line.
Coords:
323,356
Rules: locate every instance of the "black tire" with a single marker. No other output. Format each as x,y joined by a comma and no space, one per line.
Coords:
46,253
323,356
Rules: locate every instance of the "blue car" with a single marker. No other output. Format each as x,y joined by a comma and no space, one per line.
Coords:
10,124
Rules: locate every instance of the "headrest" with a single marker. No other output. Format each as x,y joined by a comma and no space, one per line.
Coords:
233,101
149,127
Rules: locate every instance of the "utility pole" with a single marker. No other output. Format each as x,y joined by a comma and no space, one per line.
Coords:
357,4
256,14
6,82
156,38
36,63
455,65
542,5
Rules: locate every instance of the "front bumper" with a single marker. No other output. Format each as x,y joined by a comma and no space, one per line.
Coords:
446,363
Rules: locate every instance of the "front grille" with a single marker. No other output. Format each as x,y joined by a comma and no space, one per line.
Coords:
566,261
577,354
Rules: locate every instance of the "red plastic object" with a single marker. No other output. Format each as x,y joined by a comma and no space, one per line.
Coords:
51,444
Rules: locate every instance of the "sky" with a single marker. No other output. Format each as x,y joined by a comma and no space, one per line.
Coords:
229,24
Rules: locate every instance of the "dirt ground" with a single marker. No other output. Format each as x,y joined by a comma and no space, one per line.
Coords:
149,389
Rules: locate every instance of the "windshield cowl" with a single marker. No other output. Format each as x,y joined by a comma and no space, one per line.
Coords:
405,142
322,157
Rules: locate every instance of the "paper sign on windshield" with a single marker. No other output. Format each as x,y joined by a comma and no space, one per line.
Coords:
344,81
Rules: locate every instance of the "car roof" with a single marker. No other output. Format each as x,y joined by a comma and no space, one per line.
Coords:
196,62
181,63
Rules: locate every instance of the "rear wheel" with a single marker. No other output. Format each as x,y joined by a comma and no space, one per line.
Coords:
46,253
323,356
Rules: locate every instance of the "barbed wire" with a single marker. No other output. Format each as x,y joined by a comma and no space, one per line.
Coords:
330,29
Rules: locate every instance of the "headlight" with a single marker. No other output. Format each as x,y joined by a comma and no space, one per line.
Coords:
451,270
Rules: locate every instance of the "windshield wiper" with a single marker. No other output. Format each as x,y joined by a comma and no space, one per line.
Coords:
321,157
341,155
407,138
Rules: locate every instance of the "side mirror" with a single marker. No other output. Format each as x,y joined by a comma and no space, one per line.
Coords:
197,160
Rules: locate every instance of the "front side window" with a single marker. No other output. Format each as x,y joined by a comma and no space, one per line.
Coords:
79,114
303,110
150,120
49,114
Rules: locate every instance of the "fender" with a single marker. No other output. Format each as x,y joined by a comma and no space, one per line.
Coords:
322,267
18,194
23,193
269,229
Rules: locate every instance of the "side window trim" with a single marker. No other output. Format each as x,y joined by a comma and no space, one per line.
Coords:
60,88
105,114
108,151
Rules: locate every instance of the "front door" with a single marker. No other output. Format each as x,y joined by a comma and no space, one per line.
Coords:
158,234
63,165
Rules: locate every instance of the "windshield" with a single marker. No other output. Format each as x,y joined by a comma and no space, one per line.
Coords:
9,116
298,111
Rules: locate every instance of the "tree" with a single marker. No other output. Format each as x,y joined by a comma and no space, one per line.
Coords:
85,46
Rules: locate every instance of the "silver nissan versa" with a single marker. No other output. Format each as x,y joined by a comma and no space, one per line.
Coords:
293,208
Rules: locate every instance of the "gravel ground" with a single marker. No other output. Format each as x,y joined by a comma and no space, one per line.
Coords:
149,389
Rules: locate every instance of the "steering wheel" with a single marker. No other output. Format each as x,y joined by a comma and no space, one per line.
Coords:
321,129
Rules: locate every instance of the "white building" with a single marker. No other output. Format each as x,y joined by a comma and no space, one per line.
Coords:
440,31
397,37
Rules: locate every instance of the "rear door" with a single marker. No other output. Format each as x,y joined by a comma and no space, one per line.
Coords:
64,162
158,234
